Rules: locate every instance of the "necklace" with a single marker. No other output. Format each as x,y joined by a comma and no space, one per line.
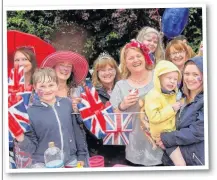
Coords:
141,81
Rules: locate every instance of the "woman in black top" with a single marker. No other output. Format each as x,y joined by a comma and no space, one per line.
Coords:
105,75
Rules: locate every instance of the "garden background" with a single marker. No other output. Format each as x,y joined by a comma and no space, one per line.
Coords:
90,32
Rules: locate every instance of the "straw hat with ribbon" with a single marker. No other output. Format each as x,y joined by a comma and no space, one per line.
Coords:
80,64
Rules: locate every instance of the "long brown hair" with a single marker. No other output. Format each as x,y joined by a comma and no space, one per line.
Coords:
30,55
186,91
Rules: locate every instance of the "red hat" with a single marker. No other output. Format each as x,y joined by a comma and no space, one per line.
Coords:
80,65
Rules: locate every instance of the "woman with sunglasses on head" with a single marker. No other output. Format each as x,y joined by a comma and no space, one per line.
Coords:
23,56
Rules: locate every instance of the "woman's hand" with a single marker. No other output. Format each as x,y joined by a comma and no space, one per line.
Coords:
75,101
129,100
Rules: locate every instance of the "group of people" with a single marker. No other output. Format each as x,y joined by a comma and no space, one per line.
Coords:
169,83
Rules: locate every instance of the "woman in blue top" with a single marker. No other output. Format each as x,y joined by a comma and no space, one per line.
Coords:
189,135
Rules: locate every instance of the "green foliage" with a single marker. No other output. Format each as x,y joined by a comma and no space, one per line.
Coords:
95,31
193,30
39,23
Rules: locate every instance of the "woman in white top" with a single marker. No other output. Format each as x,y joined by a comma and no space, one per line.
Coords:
137,72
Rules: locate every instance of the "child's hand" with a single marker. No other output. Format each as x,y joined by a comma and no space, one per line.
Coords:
161,145
20,138
177,106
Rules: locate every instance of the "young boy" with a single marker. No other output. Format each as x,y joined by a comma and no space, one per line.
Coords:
161,104
51,121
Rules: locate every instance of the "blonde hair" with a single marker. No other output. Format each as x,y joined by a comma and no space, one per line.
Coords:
124,70
41,73
100,63
186,91
179,46
159,52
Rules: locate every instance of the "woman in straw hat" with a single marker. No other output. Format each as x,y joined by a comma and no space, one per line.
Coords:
71,69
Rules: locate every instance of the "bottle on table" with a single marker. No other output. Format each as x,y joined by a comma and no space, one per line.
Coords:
53,157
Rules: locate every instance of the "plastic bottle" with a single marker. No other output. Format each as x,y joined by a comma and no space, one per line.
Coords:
53,157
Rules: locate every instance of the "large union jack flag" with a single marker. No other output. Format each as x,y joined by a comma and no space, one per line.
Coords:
92,109
18,119
118,128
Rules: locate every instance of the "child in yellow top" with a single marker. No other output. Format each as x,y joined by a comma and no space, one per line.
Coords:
161,104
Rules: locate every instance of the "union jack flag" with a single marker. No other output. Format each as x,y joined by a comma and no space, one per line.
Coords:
18,119
92,109
118,128
16,81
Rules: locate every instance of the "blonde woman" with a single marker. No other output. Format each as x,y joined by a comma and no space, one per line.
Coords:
153,40
137,73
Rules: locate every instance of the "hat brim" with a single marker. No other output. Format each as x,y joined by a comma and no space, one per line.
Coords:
80,64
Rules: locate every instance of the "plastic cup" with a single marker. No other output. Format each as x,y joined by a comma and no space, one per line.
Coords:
96,161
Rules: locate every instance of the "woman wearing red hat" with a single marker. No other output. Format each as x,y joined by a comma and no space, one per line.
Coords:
71,69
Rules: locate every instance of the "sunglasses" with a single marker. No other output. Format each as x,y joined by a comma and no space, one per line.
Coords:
30,48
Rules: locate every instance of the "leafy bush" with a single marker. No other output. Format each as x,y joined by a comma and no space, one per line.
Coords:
91,32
